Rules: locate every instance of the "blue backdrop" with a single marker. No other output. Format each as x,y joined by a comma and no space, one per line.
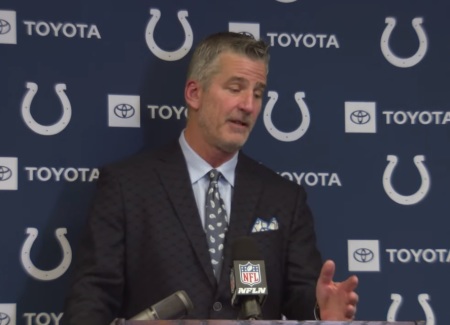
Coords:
357,111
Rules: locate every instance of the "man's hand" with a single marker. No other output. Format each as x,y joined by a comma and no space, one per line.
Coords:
337,300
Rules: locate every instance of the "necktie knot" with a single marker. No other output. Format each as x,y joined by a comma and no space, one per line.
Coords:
214,175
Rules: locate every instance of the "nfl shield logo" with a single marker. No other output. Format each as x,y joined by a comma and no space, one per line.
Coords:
250,274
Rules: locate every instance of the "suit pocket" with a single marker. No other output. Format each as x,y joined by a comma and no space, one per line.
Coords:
270,243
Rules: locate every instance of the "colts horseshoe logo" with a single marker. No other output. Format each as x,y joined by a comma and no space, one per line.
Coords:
404,62
50,274
165,55
286,136
423,301
46,129
403,199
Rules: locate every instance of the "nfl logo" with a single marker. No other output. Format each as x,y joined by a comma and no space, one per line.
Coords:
250,274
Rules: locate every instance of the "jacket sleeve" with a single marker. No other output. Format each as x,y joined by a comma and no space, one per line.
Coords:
96,291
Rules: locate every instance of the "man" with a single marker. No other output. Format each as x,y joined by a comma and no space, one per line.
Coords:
146,239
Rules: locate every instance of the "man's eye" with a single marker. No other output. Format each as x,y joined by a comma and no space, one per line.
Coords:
234,89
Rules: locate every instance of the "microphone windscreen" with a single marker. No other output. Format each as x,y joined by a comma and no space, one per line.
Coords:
174,306
245,248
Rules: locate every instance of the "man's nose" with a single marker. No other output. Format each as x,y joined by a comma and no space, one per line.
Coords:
247,101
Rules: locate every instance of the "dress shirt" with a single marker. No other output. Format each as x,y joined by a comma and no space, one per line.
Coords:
198,169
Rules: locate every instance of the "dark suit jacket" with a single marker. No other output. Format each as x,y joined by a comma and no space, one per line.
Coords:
144,241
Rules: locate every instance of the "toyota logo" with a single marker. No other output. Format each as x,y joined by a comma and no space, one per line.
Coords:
360,117
124,110
5,27
4,319
363,255
5,173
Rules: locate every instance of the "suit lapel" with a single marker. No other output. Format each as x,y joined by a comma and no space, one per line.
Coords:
247,189
246,193
175,179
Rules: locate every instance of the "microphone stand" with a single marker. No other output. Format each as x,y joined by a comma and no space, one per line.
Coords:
250,309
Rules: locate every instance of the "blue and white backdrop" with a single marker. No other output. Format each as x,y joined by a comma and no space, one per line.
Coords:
357,111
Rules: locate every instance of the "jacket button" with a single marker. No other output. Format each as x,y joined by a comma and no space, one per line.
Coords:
217,306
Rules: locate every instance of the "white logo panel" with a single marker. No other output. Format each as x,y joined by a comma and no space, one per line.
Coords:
363,255
360,117
124,111
245,28
8,314
8,173
8,27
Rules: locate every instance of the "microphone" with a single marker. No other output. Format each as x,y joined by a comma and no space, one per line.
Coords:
248,278
174,306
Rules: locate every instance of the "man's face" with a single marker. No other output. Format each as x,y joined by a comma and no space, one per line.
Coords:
230,105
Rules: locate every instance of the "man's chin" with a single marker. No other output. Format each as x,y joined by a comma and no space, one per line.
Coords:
232,146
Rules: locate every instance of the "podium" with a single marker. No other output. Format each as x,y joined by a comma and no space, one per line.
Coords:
262,322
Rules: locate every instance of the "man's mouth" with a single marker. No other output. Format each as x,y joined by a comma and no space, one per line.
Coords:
239,122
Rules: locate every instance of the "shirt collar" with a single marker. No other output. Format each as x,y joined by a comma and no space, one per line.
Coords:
198,167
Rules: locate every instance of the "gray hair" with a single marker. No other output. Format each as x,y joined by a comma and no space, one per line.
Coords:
203,63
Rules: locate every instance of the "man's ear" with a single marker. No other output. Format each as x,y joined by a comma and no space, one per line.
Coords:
193,94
